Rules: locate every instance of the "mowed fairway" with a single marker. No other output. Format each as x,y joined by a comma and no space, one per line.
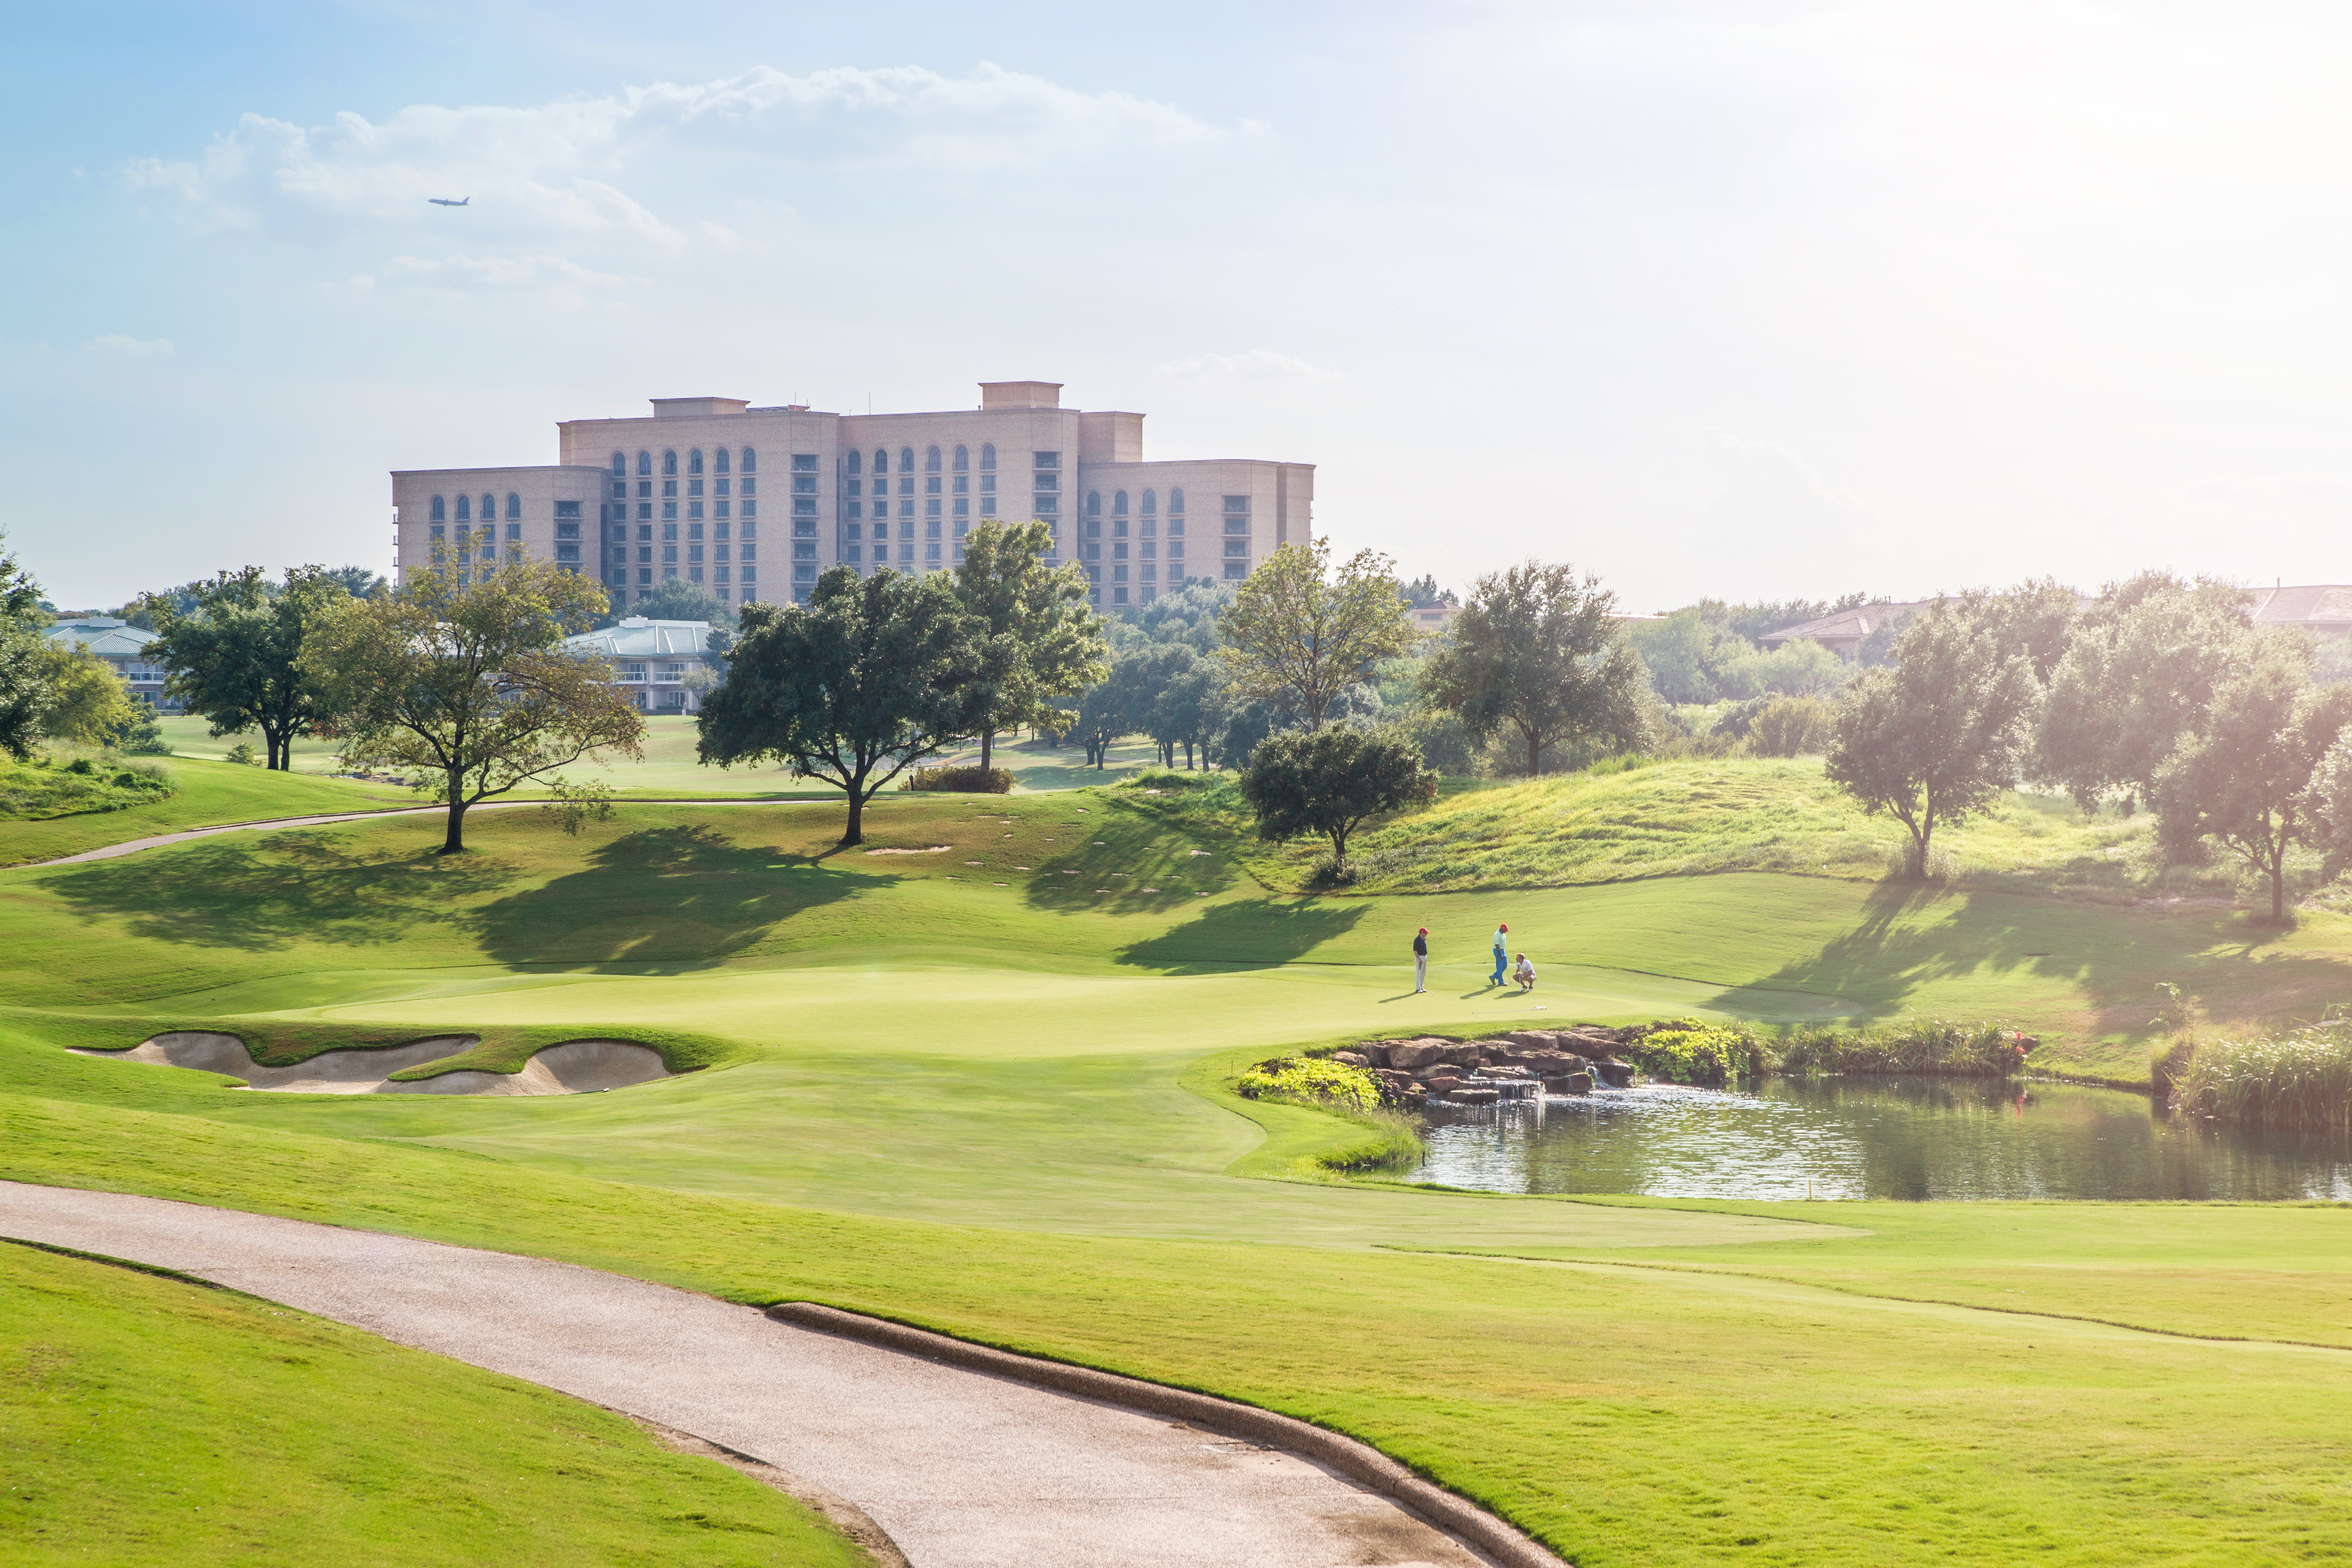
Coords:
988,1097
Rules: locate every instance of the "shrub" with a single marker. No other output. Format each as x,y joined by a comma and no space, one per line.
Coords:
2301,1079
1790,727
1684,1051
1311,1080
244,754
1925,1047
961,781
1170,778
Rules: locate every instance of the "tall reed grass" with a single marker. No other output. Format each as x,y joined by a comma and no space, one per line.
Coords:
1686,1052
2300,1079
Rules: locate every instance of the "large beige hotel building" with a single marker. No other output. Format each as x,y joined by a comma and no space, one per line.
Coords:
753,504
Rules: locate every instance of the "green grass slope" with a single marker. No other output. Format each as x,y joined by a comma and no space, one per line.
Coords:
150,1420
209,794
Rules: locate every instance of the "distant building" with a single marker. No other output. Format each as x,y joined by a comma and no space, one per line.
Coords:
634,501
1431,619
1843,633
651,659
2323,609
124,647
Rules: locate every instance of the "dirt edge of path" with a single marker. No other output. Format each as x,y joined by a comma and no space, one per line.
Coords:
1360,1462
845,1516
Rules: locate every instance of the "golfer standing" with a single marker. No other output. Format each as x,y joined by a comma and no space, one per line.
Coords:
1421,961
1502,953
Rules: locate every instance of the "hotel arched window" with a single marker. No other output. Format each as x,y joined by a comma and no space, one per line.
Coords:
694,461
669,464
1094,503
621,465
464,509
440,511
645,465
881,461
750,461
514,507
988,457
1119,504
856,461
1151,503
906,459
719,460
931,460
1175,503
489,508
962,460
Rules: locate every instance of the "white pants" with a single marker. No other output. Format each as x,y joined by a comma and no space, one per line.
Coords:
1421,971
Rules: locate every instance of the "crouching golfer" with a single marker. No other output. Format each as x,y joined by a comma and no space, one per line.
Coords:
1525,974
1502,953
1421,961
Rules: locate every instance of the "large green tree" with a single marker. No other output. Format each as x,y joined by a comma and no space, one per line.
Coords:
2246,781
871,676
1300,634
2137,679
86,701
233,652
464,681
25,663
1937,736
1330,781
1038,639
1535,649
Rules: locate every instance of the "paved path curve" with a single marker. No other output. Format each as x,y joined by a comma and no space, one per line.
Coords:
132,845
962,1469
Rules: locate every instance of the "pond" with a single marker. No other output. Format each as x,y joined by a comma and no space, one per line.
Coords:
1937,1139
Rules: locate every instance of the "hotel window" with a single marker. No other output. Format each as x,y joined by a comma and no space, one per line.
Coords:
988,506
804,528
645,489
669,463
804,462
645,512
931,486
514,505
489,508
1118,528
718,508
988,484
857,510
438,532
962,458
881,461
988,457
1147,550
1175,505
805,506
1094,503
464,509
718,463
620,489
669,554
750,464
963,506
1045,506
1118,551
930,459
645,574
804,550
514,530
669,489
1043,460
855,553
906,509
567,508
645,464
854,487
804,570
906,549
694,487
670,511
749,486
694,461
567,530
963,484
931,550
694,531
718,530
1148,571
906,459
1119,574
1236,525
857,460
747,530
694,509
750,509
694,552
440,513
1119,504
620,465
1236,547
907,487
669,531
1045,482
931,511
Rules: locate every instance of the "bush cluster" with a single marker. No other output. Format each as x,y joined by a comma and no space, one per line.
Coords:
961,781
1683,1050
1312,1080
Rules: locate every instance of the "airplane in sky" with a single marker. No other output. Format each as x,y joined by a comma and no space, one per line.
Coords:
445,202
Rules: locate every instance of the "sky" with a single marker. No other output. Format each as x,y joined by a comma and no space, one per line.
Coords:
1747,301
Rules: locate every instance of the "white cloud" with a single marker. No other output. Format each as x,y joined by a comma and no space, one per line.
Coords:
1255,364
117,343
561,282
563,165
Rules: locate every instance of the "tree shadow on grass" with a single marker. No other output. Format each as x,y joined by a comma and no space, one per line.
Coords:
279,887
665,898
1910,937
1246,934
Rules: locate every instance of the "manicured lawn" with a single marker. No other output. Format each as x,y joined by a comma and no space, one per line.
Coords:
209,794
150,1420
996,1109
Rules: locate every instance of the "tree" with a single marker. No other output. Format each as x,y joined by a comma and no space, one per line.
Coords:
678,599
1791,727
2247,780
85,701
871,676
24,661
1038,639
466,682
1422,593
360,581
2137,680
1329,782
1935,737
235,657
1535,649
1298,634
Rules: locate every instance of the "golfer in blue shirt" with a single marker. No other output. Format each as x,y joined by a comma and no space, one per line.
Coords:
1502,953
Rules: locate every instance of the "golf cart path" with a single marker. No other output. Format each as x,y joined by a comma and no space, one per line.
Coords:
132,845
962,1469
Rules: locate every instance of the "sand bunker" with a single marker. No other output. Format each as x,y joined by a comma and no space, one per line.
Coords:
575,1066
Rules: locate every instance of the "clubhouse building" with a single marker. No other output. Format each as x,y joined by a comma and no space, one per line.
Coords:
753,504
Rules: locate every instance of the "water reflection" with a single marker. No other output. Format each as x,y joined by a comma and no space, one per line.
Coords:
1877,1138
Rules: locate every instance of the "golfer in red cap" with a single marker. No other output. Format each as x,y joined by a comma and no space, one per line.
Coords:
1502,953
